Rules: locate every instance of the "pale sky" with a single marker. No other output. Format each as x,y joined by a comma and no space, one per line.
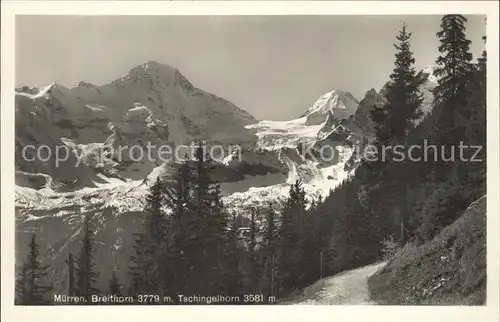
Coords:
274,67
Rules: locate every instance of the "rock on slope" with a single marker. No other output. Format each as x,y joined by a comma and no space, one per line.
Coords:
449,269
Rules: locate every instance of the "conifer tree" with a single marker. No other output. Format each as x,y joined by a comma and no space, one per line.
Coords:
155,238
288,264
252,251
232,277
362,237
333,255
396,117
32,285
394,120
454,65
332,230
453,184
476,131
270,232
253,230
206,230
270,240
180,195
86,274
150,268
182,247
139,266
453,72
21,287
310,248
472,174
203,199
115,288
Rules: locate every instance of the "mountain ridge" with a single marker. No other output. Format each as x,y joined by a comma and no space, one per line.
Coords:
159,106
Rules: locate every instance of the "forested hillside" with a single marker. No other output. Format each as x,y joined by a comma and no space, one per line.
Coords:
393,203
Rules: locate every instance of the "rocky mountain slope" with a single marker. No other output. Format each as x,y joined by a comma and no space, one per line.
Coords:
449,269
153,103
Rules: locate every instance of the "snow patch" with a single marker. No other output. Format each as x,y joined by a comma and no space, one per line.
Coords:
138,107
95,108
42,91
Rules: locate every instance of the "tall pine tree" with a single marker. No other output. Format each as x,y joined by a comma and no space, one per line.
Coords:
270,240
32,286
452,112
86,274
139,266
393,122
289,258
150,271
199,227
183,245
454,108
211,223
253,257
156,237
403,97
21,297
472,174
231,272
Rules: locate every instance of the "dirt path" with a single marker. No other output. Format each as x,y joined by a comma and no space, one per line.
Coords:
345,288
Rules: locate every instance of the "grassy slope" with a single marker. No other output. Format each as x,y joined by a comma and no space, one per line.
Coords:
448,270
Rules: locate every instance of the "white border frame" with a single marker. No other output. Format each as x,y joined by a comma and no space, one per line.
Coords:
490,312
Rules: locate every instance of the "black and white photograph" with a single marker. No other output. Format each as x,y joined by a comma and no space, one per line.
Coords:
322,159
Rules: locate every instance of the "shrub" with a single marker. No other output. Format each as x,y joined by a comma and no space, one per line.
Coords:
389,247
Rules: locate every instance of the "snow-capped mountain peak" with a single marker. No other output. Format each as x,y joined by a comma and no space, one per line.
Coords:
158,75
339,103
149,67
429,69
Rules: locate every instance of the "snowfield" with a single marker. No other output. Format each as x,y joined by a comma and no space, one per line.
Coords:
273,135
309,128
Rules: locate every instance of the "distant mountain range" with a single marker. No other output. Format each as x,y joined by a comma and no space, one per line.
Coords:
155,103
